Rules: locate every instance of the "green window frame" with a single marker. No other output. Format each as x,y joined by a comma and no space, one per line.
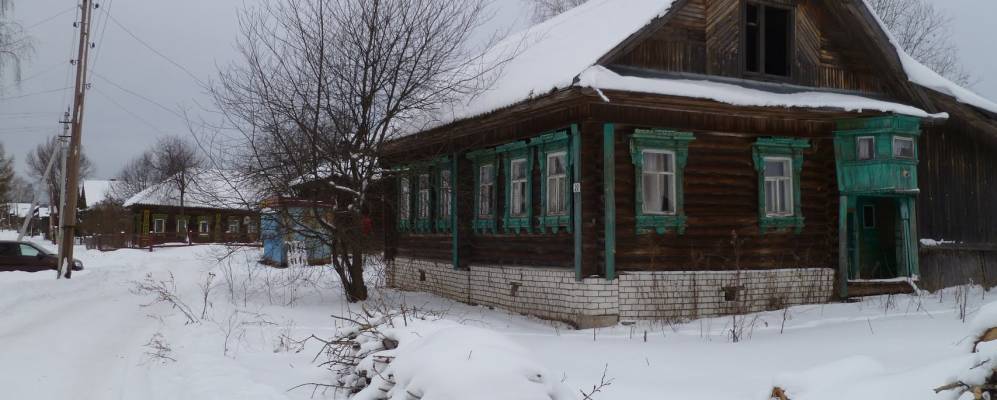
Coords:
423,200
444,194
513,154
675,144
405,203
772,150
484,166
549,146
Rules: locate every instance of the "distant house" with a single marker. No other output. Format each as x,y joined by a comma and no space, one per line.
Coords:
690,158
286,232
94,192
219,207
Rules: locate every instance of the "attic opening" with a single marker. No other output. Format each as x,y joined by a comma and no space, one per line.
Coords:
768,33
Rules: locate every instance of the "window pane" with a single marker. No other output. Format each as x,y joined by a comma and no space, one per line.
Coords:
776,41
785,199
556,165
518,169
519,199
658,162
903,148
486,174
770,197
752,40
654,187
776,168
423,181
28,251
866,148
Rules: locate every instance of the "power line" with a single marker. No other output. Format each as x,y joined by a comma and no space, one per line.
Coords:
2,99
148,46
136,94
57,15
33,76
100,47
126,110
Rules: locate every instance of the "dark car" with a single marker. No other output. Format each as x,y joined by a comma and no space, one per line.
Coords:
25,256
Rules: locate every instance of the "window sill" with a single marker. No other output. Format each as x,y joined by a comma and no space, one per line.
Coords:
423,226
443,225
770,224
661,224
555,223
482,226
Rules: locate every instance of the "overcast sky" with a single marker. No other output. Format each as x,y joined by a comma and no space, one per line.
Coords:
136,92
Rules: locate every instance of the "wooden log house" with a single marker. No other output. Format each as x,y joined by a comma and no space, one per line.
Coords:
651,159
219,207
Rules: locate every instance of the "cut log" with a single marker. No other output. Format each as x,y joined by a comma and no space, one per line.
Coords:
779,394
989,336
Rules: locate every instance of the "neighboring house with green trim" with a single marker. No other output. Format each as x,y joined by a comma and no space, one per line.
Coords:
219,207
641,159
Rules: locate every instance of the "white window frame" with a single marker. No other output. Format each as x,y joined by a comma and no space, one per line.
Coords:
858,148
182,224
486,181
203,226
913,147
405,208
159,225
445,193
425,197
790,189
515,197
672,187
233,223
557,190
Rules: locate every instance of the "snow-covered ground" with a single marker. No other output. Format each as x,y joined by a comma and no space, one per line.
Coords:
89,338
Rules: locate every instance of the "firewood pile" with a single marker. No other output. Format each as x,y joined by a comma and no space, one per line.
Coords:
987,389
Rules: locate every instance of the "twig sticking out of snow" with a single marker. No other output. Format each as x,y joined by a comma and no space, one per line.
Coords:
603,384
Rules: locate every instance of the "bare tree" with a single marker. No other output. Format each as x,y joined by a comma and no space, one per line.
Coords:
38,159
925,32
176,161
323,84
547,9
6,176
15,45
137,175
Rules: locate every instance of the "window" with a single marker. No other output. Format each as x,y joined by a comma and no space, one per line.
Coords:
659,157
779,162
182,225
768,35
425,191
28,250
518,186
203,226
486,190
658,182
8,250
251,227
869,216
445,193
778,187
483,166
404,203
557,184
159,225
866,147
903,147
233,225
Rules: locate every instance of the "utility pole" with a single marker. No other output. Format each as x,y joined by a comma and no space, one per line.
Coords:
75,139
63,154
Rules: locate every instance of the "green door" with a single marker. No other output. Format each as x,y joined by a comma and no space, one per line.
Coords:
878,227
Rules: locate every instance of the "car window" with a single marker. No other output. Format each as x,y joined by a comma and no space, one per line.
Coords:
28,250
8,249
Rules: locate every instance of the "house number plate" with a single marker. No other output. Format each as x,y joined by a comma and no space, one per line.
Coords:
576,188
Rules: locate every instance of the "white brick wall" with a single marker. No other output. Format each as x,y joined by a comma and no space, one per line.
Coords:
553,293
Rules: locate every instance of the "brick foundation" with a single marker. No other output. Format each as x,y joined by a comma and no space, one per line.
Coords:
553,293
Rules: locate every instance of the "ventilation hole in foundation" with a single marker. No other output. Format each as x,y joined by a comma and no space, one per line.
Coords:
731,292
422,275
514,288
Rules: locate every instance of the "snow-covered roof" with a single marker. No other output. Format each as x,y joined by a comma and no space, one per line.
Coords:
209,188
20,210
549,55
923,76
97,191
604,79
564,51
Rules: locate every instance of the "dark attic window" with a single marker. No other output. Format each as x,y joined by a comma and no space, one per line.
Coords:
768,36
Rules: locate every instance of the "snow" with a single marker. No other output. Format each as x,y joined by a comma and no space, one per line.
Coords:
21,210
209,188
85,339
97,190
599,77
922,75
933,242
549,55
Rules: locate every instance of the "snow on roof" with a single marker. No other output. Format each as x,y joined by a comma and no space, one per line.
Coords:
549,55
20,210
209,188
922,75
601,78
97,191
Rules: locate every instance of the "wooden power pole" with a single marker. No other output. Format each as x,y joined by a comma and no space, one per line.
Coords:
75,139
